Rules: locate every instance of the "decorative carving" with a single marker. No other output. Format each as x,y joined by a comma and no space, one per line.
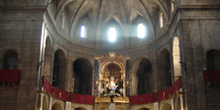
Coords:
102,99
111,56
121,99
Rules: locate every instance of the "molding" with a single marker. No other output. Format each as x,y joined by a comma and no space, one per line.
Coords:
25,8
198,6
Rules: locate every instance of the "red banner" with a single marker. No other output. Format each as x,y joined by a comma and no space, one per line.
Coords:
60,94
83,99
10,76
212,76
164,94
142,99
46,85
176,86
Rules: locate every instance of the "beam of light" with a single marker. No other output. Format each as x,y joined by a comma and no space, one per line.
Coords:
141,31
83,31
112,34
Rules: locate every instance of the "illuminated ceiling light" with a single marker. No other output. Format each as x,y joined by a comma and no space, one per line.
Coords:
141,31
112,34
83,32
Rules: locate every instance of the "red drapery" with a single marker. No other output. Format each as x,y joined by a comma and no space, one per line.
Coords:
46,85
176,86
142,99
10,76
164,94
83,99
212,75
60,94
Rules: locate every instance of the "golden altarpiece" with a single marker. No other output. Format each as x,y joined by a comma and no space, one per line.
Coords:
111,82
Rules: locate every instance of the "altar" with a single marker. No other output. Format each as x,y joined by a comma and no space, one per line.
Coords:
116,103
111,83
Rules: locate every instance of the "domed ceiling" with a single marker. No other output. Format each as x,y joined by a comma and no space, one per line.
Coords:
99,15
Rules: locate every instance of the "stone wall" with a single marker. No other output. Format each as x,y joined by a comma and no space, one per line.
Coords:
198,32
20,30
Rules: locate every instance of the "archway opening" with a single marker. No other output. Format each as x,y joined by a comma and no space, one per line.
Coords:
213,60
80,108
164,70
45,105
10,59
143,109
178,105
83,76
59,69
114,70
166,106
57,106
144,76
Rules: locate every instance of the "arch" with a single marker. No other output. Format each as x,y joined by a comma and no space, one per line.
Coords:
213,59
144,75
83,76
80,108
57,106
164,68
133,39
176,59
177,104
82,21
143,109
10,59
47,59
166,106
141,73
59,69
45,104
54,6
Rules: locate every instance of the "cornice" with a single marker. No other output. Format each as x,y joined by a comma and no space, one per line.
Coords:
198,6
23,7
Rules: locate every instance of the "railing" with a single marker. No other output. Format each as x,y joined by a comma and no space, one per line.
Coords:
11,76
212,76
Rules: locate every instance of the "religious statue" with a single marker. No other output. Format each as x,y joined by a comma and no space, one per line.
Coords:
111,87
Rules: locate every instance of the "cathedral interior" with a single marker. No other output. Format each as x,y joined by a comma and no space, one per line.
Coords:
109,54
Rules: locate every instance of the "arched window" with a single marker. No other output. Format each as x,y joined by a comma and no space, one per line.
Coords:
141,30
10,59
112,34
161,19
172,5
176,58
83,31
